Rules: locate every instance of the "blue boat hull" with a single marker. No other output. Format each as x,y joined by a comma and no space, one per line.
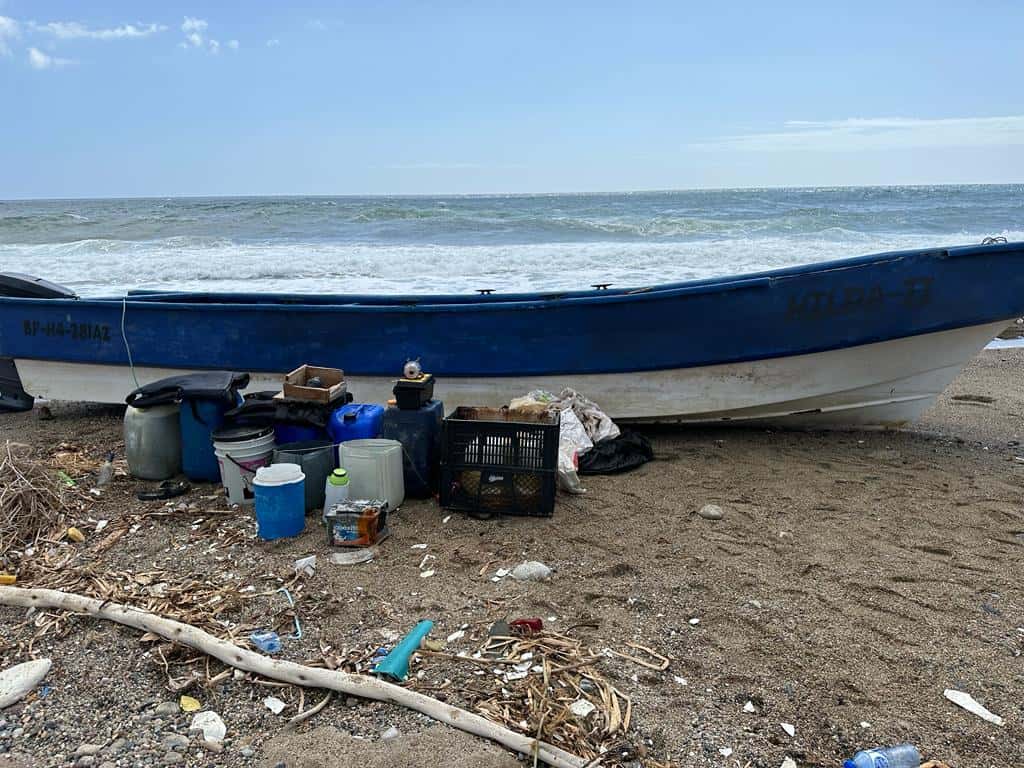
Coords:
781,314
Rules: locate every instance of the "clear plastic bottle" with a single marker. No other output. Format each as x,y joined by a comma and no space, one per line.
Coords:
335,490
106,473
900,756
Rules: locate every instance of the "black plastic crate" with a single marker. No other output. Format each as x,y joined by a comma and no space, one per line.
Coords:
494,462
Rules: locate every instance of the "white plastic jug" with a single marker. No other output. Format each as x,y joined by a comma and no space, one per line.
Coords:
336,489
375,470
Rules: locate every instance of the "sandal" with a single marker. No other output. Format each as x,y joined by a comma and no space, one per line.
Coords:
168,489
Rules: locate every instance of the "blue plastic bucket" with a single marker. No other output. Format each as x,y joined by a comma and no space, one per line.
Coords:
280,501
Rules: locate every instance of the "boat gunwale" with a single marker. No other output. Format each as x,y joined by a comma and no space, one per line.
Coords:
288,302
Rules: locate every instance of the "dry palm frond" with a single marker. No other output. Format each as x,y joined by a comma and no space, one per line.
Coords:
34,499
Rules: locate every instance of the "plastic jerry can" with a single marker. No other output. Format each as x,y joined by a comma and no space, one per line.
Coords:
152,441
355,421
419,432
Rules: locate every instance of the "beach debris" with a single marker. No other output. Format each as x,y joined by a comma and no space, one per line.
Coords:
865,724
430,644
749,708
390,734
34,500
305,566
725,751
454,636
274,704
694,621
898,756
353,556
106,473
189,704
396,664
582,708
660,663
789,728
531,570
968,702
418,546
17,681
426,574
711,512
266,641
681,680
526,626
294,674
303,716
8,579
788,762
210,724
549,685
446,519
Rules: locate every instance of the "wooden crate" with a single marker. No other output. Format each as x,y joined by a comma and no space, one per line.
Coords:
334,379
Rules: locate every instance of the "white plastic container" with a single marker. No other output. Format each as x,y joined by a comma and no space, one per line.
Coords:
240,453
374,469
152,441
336,489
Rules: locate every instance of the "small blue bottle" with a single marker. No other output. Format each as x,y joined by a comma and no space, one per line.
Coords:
900,756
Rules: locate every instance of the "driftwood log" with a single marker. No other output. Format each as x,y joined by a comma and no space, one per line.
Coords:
289,672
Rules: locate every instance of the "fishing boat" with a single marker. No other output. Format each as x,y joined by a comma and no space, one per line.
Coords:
867,341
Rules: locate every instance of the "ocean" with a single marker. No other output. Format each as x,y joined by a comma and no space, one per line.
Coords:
453,244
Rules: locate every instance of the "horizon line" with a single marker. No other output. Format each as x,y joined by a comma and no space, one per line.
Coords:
595,193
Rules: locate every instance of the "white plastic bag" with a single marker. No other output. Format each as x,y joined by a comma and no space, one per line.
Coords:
572,443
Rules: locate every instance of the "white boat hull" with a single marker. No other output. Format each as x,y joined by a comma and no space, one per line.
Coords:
886,384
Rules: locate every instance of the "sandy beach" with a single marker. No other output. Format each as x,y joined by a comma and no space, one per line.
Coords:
854,577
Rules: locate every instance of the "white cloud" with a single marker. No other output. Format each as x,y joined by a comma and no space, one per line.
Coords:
877,133
273,43
9,30
39,60
195,36
191,24
317,24
73,30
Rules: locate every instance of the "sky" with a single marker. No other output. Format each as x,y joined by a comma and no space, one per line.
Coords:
108,99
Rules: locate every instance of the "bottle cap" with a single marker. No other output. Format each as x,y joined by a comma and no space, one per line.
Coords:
338,477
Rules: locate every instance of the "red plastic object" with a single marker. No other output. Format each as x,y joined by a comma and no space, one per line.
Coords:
527,626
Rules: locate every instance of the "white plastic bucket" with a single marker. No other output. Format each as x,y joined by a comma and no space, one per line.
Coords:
375,470
239,460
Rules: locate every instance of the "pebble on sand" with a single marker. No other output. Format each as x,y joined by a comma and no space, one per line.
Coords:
531,570
711,512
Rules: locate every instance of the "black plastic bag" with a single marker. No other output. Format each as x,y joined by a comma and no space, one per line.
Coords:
620,454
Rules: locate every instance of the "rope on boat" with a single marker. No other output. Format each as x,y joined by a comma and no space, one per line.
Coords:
124,335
